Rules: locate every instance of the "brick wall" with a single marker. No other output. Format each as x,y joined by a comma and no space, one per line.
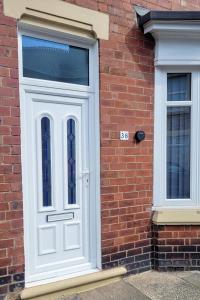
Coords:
176,248
11,218
126,81
126,97
126,103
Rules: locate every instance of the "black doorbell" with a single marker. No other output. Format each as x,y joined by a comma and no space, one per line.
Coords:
139,135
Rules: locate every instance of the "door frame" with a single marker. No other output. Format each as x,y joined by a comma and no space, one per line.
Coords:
63,89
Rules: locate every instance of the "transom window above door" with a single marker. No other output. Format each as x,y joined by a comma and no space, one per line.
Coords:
50,60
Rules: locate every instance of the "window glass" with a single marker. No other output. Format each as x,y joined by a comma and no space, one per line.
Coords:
178,87
54,61
71,154
178,152
46,161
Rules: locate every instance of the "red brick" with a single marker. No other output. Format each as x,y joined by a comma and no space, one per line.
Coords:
4,187
4,206
11,121
6,243
4,262
4,72
4,111
11,140
13,215
3,253
8,82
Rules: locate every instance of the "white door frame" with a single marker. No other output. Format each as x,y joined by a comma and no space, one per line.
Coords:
64,89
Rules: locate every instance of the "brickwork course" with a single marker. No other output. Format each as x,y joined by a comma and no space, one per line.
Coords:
126,103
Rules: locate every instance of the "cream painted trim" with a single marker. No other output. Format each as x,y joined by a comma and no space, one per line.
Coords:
176,217
61,295
60,13
32,22
69,286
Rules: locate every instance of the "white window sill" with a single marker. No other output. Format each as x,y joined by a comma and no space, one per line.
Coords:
176,216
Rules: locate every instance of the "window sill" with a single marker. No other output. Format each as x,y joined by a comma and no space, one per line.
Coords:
177,217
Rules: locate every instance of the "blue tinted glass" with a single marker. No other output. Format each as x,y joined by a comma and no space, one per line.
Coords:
49,60
46,161
71,154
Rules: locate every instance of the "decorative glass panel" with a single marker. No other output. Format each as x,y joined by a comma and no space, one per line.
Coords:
178,152
46,161
48,60
179,87
71,154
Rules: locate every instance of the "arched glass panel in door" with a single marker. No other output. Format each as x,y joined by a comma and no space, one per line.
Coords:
71,160
46,161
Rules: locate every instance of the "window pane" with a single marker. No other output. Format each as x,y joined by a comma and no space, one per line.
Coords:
71,154
46,161
178,152
178,87
49,60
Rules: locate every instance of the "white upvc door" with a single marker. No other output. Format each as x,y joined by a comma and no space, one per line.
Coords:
60,155
57,157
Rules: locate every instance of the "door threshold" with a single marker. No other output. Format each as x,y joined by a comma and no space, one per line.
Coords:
60,278
78,284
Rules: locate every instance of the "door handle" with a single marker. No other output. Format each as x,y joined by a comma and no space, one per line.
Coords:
84,173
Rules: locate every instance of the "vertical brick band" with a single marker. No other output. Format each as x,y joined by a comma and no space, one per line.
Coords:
11,215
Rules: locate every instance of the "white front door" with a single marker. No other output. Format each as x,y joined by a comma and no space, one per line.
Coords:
57,162
57,145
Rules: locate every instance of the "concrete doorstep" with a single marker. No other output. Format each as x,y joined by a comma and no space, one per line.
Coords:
145,286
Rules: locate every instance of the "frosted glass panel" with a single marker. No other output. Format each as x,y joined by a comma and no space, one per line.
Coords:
178,152
46,161
48,60
71,154
178,87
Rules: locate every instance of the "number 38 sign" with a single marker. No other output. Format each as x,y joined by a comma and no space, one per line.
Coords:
124,135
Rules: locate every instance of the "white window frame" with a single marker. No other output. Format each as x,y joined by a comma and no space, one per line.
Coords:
64,38
160,200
